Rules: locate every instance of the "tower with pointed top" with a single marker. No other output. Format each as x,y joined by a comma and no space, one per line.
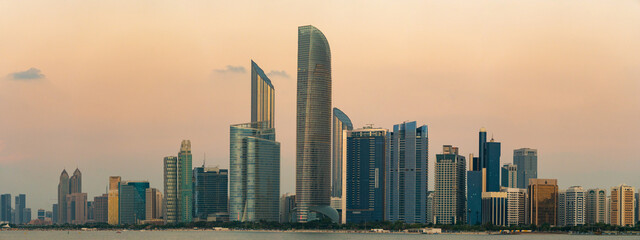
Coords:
63,190
75,182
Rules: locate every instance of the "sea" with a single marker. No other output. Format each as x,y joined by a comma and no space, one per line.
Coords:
242,235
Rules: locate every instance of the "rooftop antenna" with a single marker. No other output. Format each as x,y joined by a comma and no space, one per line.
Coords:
369,125
204,160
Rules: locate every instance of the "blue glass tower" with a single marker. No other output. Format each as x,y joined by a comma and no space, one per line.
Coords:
132,202
406,173
474,197
493,166
365,175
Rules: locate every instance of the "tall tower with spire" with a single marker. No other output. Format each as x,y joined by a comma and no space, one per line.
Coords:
75,182
63,191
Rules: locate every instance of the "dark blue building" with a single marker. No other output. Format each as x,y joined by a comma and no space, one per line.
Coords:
210,192
474,197
365,175
132,201
493,166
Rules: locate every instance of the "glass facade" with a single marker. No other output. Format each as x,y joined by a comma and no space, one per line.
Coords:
185,183
254,176
132,202
493,166
527,161
474,197
170,189
5,208
63,190
114,184
341,122
406,174
509,176
313,122
543,201
365,175
262,96
210,191
494,208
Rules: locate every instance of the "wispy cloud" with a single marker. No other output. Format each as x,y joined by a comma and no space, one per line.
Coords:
278,74
232,69
31,74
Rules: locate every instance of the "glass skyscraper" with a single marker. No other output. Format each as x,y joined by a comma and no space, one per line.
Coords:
170,204
527,161
493,166
63,190
114,185
474,197
365,175
5,208
341,122
210,192
254,173
406,174
185,183
313,126
132,201
254,186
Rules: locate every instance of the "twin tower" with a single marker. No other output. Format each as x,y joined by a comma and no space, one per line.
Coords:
254,184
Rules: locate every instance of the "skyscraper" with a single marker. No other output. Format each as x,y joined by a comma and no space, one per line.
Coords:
5,208
509,176
527,161
516,205
313,126
474,197
365,159
341,122
596,205
254,181
76,208
450,191
210,191
406,174
287,204
543,201
132,201
171,189
262,97
572,212
622,205
113,205
185,185
153,204
101,208
75,182
63,190
21,202
492,158
494,208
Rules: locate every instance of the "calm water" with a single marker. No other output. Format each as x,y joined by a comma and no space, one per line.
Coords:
203,235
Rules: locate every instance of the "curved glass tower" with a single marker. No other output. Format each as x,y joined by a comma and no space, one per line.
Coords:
262,96
313,126
341,122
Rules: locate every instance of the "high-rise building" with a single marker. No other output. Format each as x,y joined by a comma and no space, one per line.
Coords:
262,97
114,201
492,166
26,215
41,214
313,126
185,183
527,161
571,206
132,201
5,208
494,208
153,204
510,176
543,201
341,123
20,203
90,211
54,209
76,208
637,207
170,190
474,196
75,182
101,208
287,206
210,191
516,205
622,206
450,187
254,178
364,179
406,173
596,206
63,190
430,207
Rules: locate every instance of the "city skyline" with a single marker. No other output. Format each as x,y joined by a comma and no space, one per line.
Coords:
560,101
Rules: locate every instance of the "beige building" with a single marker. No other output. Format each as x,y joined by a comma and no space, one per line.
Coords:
543,201
77,208
596,211
153,207
622,205
114,182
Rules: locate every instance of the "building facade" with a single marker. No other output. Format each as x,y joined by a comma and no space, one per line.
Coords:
596,206
527,161
494,208
5,208
407,173
170,204
474,197
287,206
516,205
571,206
101,208
365,167
492,166
20,205
113,205
622,206
63,191
76,208
543,202
313,126
450,187
341,123
210,191
185,183
153,204
510,176
132,201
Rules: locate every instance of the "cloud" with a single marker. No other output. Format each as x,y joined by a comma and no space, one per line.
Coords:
232,69
278,74
31,74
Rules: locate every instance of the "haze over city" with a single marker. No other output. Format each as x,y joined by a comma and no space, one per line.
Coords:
113,87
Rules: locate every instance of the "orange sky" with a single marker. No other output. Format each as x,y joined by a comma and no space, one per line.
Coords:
124,82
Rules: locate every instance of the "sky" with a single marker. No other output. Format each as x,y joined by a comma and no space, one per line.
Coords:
112,87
